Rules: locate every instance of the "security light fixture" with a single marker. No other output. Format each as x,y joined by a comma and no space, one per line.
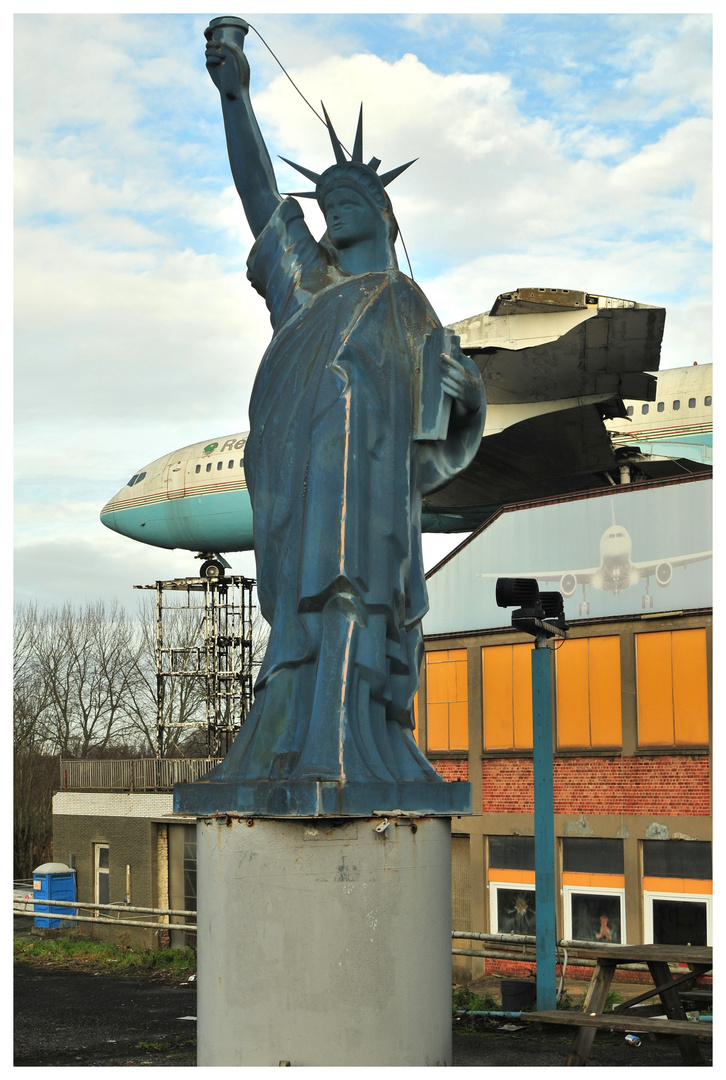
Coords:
539,614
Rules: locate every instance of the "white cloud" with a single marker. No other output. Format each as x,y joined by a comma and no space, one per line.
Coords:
136,329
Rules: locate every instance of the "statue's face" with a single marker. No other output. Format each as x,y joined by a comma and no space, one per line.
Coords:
350,217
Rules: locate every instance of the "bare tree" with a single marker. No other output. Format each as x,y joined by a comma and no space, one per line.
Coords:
86,659
35,768
85,685
182,701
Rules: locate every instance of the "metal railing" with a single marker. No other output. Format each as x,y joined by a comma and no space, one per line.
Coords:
106,913
523,949
135,774
517,947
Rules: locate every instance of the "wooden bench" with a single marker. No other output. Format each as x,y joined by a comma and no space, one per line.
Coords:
673,991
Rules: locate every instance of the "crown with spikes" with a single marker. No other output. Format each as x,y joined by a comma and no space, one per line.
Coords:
351,170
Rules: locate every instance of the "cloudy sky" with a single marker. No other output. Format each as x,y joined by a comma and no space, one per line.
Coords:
563,150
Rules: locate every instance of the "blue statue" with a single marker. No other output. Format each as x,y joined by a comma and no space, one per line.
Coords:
362,404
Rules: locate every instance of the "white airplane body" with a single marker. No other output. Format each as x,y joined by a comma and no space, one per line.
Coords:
545,426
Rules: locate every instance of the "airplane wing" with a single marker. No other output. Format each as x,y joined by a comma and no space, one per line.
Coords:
579,577
548,347
647,569
544,456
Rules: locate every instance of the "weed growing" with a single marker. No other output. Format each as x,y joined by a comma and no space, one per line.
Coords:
106,957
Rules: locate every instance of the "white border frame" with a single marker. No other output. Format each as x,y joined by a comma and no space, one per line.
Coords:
493,887
691,898
593,890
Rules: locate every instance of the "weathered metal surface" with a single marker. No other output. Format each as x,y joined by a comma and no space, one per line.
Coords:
341,948
361,406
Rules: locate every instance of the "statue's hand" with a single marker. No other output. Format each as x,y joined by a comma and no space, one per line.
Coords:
461,384
228,67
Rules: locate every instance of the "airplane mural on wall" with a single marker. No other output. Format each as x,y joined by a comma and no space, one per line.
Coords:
615,572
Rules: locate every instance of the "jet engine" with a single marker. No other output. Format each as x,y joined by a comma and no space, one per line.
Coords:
663,573
568,584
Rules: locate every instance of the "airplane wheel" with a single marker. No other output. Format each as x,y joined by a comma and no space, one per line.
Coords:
211,569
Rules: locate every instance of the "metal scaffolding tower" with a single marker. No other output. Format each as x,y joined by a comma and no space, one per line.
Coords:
203,658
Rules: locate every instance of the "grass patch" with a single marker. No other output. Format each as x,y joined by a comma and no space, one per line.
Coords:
105,957
465,1000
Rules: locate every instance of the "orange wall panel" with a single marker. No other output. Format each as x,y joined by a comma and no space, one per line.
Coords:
572,693
447,699
690,688
678,885
459,725
522,694
497,677
438,727
606,706
655,689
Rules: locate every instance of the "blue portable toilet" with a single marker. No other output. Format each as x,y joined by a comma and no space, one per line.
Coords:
54,881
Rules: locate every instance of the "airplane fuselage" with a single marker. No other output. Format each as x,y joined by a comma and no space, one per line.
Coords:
196,498
616,569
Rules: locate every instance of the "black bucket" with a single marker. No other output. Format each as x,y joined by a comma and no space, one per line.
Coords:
517,994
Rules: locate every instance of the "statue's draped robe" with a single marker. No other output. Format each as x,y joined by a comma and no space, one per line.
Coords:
336,478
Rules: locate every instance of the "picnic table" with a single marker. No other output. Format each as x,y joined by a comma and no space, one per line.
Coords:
672,994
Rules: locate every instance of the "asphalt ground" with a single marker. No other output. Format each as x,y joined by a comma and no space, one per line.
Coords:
78,1019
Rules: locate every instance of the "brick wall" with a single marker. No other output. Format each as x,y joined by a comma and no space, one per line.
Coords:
663,785
132,843
451,768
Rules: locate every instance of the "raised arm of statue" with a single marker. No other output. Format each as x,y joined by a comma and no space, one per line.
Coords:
252,169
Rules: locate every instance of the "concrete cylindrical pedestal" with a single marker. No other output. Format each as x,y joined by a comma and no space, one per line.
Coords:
324,942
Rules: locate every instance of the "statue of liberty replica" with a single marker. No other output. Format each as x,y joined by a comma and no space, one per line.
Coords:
362,404
323,840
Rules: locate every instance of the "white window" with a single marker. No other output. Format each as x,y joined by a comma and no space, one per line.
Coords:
101,875
512,908
594,914
675,918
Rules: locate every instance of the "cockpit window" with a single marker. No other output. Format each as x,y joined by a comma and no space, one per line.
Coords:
133,480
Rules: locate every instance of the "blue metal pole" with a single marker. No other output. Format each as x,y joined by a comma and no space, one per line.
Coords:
544,825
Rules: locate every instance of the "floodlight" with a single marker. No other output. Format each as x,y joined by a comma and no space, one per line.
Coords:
517,592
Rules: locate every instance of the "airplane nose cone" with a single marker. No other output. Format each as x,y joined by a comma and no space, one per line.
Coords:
123,514
109,517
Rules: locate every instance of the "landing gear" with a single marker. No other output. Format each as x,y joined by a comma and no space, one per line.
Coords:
211,569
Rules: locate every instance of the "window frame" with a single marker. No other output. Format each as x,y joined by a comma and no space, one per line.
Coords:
649,895
510,886
594,890
99,872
